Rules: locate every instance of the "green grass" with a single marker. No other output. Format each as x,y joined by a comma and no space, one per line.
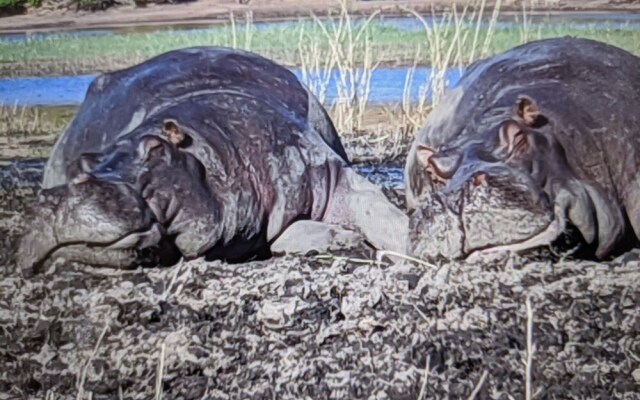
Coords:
67,54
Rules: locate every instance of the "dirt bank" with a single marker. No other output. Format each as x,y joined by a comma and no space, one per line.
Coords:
216,11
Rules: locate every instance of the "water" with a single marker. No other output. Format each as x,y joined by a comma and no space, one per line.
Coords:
21,37
44,91
387,86
577,20
390,177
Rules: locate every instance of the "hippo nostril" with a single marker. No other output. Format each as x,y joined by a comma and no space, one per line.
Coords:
479,178
438,177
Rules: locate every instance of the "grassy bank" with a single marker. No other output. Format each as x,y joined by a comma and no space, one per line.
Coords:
67,54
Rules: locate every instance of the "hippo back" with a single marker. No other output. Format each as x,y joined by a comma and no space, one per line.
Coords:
117,103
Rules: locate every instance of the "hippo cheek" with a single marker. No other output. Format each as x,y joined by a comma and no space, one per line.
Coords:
482,215
505,216
89,221
189,213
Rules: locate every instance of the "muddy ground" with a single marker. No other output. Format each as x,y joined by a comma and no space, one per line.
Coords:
335,326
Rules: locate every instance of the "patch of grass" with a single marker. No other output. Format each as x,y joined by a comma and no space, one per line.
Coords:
30,132
67,53
28,121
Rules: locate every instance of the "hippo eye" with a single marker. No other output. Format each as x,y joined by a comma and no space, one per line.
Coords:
445,164
513,139
440,167
146,146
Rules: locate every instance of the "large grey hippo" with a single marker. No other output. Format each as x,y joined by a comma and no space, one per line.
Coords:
539,140
202,152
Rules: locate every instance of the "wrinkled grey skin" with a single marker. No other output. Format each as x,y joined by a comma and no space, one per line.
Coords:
541,138
201,152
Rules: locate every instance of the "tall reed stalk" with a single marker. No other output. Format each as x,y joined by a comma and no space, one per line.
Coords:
339,64
453,41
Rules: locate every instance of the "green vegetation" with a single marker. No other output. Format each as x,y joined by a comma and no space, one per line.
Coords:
68,54
8,7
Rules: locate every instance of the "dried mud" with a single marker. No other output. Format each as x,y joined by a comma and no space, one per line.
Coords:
325,327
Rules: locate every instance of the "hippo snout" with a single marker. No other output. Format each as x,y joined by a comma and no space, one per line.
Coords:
88,220
484,211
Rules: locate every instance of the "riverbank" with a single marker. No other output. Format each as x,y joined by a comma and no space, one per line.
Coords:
217,12
292,45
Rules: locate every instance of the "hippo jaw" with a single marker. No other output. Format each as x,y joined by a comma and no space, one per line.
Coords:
484,214
91,221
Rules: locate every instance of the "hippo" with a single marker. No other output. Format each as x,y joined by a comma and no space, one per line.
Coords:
532,144
202,152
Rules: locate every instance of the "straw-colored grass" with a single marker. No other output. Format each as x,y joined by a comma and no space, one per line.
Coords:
29,121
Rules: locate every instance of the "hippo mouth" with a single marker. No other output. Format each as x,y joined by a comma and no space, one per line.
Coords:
547,236
485,215
132,249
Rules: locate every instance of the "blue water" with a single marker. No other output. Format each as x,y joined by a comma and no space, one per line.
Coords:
48,91
387,86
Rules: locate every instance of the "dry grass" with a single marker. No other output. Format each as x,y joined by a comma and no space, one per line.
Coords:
341,326
30,132
21,120
448,42
333,326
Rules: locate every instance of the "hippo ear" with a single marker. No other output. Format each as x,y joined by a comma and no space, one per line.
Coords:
423,154
174,133
529,113
513,138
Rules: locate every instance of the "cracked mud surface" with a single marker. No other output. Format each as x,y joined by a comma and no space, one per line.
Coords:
315,327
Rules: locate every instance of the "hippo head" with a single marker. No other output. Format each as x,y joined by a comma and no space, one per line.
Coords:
507,187
142,200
